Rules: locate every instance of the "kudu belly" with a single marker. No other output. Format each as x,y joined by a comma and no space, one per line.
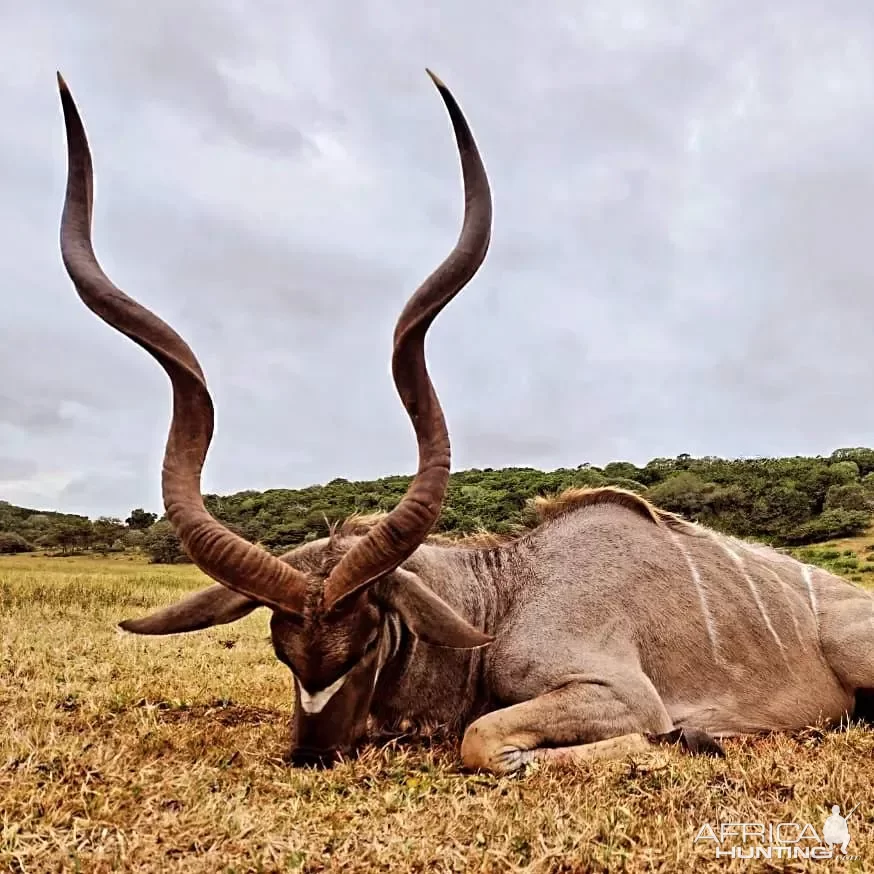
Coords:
755,694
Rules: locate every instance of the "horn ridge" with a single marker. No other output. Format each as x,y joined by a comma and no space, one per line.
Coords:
220,553
397,536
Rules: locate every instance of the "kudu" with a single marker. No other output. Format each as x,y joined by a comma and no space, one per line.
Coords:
607,627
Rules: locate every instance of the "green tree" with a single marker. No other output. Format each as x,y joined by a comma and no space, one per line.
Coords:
863,458
829,525
849,496
11,543
133,538
105,532
163,546
70,535
139,519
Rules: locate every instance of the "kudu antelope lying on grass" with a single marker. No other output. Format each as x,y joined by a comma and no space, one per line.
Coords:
608,626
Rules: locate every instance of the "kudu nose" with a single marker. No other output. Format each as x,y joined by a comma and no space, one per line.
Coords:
308,756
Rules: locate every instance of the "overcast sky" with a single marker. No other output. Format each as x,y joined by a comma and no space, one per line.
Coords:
681,255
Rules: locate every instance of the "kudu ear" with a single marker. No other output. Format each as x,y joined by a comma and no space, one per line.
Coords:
215,605
428,616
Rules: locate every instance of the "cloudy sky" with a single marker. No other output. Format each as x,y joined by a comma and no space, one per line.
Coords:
681,257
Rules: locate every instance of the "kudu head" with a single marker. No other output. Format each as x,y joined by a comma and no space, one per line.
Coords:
334,602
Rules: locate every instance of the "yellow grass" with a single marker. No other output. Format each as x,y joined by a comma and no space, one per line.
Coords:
859,544
120,753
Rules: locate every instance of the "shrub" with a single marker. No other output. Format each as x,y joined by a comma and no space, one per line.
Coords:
11,543
828,526
847,496
163,546
829,554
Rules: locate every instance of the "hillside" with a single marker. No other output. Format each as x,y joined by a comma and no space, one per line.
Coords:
786,501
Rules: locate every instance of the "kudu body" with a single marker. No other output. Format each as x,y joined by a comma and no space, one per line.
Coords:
608,626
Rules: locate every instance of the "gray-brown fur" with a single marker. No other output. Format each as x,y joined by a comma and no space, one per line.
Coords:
608,625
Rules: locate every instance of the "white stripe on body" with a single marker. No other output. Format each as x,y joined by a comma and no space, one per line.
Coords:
702,598
752,587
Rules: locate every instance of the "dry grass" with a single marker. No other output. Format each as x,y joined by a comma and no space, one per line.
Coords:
153,755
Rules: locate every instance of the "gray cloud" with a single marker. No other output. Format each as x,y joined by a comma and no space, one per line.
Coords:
12,469
679,262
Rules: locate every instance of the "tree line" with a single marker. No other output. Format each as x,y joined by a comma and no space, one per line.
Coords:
784,501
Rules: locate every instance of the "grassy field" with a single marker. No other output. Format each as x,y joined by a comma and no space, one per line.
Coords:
850,557
155,755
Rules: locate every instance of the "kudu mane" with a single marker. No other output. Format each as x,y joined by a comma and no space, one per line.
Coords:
549,507
545,509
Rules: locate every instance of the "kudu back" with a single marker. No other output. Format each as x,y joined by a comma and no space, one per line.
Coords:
609,626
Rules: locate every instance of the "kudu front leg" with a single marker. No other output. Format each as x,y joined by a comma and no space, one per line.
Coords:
579,722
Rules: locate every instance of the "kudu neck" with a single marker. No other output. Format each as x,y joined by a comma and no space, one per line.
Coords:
433,685
472,581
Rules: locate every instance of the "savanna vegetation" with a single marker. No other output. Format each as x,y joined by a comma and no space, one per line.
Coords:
783,501
167,754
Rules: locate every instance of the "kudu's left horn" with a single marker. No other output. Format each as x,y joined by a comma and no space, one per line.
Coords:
223,555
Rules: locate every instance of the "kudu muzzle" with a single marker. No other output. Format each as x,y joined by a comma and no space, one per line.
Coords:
320,738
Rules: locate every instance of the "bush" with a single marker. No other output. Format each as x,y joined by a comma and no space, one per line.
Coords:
163,546
850,496
690,496
11,544
813,555
828,526
133,539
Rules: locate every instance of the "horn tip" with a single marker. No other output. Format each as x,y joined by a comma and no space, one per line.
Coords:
62,85
436,79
